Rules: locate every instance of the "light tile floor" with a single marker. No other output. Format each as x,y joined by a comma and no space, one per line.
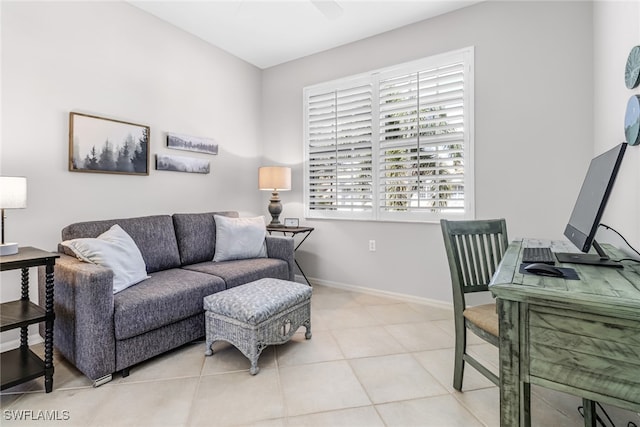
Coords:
372,361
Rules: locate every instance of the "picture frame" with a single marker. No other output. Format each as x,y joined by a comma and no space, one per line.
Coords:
178,141
291,222
165,162
103,145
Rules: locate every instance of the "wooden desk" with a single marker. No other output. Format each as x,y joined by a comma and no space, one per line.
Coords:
577,336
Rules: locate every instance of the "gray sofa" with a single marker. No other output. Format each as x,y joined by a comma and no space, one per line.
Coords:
102,333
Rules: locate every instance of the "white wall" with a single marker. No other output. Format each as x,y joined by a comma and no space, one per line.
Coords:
616,31
113,60
533,111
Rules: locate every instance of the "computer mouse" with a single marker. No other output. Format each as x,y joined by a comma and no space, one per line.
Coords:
544,270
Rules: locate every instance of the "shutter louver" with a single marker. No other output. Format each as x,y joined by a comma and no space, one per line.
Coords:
339,150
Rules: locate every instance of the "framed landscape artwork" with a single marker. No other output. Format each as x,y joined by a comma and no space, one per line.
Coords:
191,143
182,164
101,145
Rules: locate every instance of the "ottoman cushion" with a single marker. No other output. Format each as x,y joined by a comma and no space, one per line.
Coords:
257,301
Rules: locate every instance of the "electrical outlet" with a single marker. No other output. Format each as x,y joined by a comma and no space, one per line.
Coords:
372,245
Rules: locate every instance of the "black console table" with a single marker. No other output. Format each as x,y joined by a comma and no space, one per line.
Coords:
22,364
295,230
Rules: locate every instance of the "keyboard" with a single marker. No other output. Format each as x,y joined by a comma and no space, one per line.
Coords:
543,255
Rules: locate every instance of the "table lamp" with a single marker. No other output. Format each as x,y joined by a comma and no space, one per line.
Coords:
13,195
274,179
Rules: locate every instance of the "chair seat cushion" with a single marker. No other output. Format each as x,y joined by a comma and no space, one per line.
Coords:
484,316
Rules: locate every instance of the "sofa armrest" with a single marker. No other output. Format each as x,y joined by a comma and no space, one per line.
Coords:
83,305
282,248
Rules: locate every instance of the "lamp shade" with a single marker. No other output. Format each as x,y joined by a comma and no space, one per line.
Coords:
13,192
274,178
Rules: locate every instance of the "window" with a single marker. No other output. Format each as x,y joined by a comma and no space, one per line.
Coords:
393,144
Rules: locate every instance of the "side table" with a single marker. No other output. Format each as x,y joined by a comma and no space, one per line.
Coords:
294,231
22,364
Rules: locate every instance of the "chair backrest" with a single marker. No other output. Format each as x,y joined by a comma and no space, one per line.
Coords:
474,250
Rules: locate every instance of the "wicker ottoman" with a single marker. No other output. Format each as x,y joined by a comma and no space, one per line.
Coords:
257,314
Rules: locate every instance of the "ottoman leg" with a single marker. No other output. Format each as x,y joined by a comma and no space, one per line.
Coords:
210,340
307,326
253,354
254,367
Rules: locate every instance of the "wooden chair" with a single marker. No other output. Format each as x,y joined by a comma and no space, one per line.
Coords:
474,250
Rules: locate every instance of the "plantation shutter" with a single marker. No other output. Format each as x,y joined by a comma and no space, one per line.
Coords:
339,152
422,141
393,144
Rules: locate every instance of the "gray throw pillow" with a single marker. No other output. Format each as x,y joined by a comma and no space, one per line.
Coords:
115,250
240,238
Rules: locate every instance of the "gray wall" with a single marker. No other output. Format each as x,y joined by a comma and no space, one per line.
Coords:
616,31
113,60
533,112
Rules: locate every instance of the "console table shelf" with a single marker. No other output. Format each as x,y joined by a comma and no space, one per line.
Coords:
22,364
16,314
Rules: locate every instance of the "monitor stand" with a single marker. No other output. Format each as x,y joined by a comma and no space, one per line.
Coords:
600,259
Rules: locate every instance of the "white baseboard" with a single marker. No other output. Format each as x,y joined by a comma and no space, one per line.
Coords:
378,292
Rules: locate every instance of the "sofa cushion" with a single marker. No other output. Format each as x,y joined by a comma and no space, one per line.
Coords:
196,235
154,236
114,249
166,297
243,271
240,238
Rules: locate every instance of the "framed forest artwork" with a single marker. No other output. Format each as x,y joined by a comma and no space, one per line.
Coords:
192,143
101,145
182,164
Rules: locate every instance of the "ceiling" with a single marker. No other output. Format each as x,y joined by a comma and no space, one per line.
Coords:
269,32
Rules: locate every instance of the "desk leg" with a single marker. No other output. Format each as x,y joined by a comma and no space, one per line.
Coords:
510,387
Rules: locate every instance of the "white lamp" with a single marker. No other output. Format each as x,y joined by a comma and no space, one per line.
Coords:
274,179
13,195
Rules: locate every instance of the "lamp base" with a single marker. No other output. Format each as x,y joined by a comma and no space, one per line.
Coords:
8,249
275,209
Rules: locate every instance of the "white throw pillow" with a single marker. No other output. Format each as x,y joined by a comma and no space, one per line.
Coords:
115,250
240,238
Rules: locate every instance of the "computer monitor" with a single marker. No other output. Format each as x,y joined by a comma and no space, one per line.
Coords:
589,207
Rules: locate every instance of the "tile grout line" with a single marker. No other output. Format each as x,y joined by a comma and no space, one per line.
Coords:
189,420
285,408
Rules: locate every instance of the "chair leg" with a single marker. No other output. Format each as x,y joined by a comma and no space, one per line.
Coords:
590,416
526,404
458,365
